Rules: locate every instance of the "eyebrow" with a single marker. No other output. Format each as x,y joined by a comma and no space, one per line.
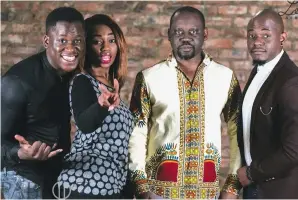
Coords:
96,35
64,35
263,29
189,28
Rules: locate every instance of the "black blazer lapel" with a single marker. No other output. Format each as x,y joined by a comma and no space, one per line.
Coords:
240,120
251,77
264,88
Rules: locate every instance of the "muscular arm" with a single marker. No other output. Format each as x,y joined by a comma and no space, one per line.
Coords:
88,114
13,105
140,106
286,157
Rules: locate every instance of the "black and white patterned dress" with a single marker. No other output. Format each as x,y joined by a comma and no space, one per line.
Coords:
97,164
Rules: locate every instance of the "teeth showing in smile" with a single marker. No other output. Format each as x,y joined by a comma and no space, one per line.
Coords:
69,58
106,58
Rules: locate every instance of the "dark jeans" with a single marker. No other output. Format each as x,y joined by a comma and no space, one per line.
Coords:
250,192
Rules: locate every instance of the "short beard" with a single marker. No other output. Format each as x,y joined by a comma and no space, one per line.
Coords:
258,62
186,57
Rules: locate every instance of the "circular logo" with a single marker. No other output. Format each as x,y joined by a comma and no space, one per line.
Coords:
60,192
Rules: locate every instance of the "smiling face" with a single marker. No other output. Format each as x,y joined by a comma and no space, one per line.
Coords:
187,35
264,38
64,45
102,47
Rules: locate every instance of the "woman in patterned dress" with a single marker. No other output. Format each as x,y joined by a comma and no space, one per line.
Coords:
96,166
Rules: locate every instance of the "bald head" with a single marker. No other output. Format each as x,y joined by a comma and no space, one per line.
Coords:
271,15
188,9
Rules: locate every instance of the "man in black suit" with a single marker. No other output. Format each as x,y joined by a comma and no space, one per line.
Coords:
269,137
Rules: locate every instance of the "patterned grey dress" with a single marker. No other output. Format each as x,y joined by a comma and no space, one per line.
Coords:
98,161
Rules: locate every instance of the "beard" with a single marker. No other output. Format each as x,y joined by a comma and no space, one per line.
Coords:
186,55
258,62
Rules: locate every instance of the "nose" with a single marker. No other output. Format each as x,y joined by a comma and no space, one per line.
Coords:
69,47
186,37
105,46
258,41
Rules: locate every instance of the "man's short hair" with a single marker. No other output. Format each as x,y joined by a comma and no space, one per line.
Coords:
67,14
188,9
271,13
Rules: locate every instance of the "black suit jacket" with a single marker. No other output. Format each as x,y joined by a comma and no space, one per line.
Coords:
274,132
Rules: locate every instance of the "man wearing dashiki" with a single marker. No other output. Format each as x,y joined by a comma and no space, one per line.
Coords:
175,148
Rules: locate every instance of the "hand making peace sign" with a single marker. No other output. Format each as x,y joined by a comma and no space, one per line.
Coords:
109,99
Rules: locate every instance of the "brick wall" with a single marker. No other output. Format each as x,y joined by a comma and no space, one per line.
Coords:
145,27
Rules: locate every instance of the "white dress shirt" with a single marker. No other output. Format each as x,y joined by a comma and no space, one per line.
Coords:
252,91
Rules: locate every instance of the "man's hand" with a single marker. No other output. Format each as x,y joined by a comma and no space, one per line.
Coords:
109,99
226,195
149,195
243,177
36,151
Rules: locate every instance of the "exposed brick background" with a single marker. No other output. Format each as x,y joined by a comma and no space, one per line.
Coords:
145,27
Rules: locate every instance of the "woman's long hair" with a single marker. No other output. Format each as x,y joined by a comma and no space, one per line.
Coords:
118,69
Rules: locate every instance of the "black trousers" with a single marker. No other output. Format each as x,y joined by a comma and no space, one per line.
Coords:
67,194
250,192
